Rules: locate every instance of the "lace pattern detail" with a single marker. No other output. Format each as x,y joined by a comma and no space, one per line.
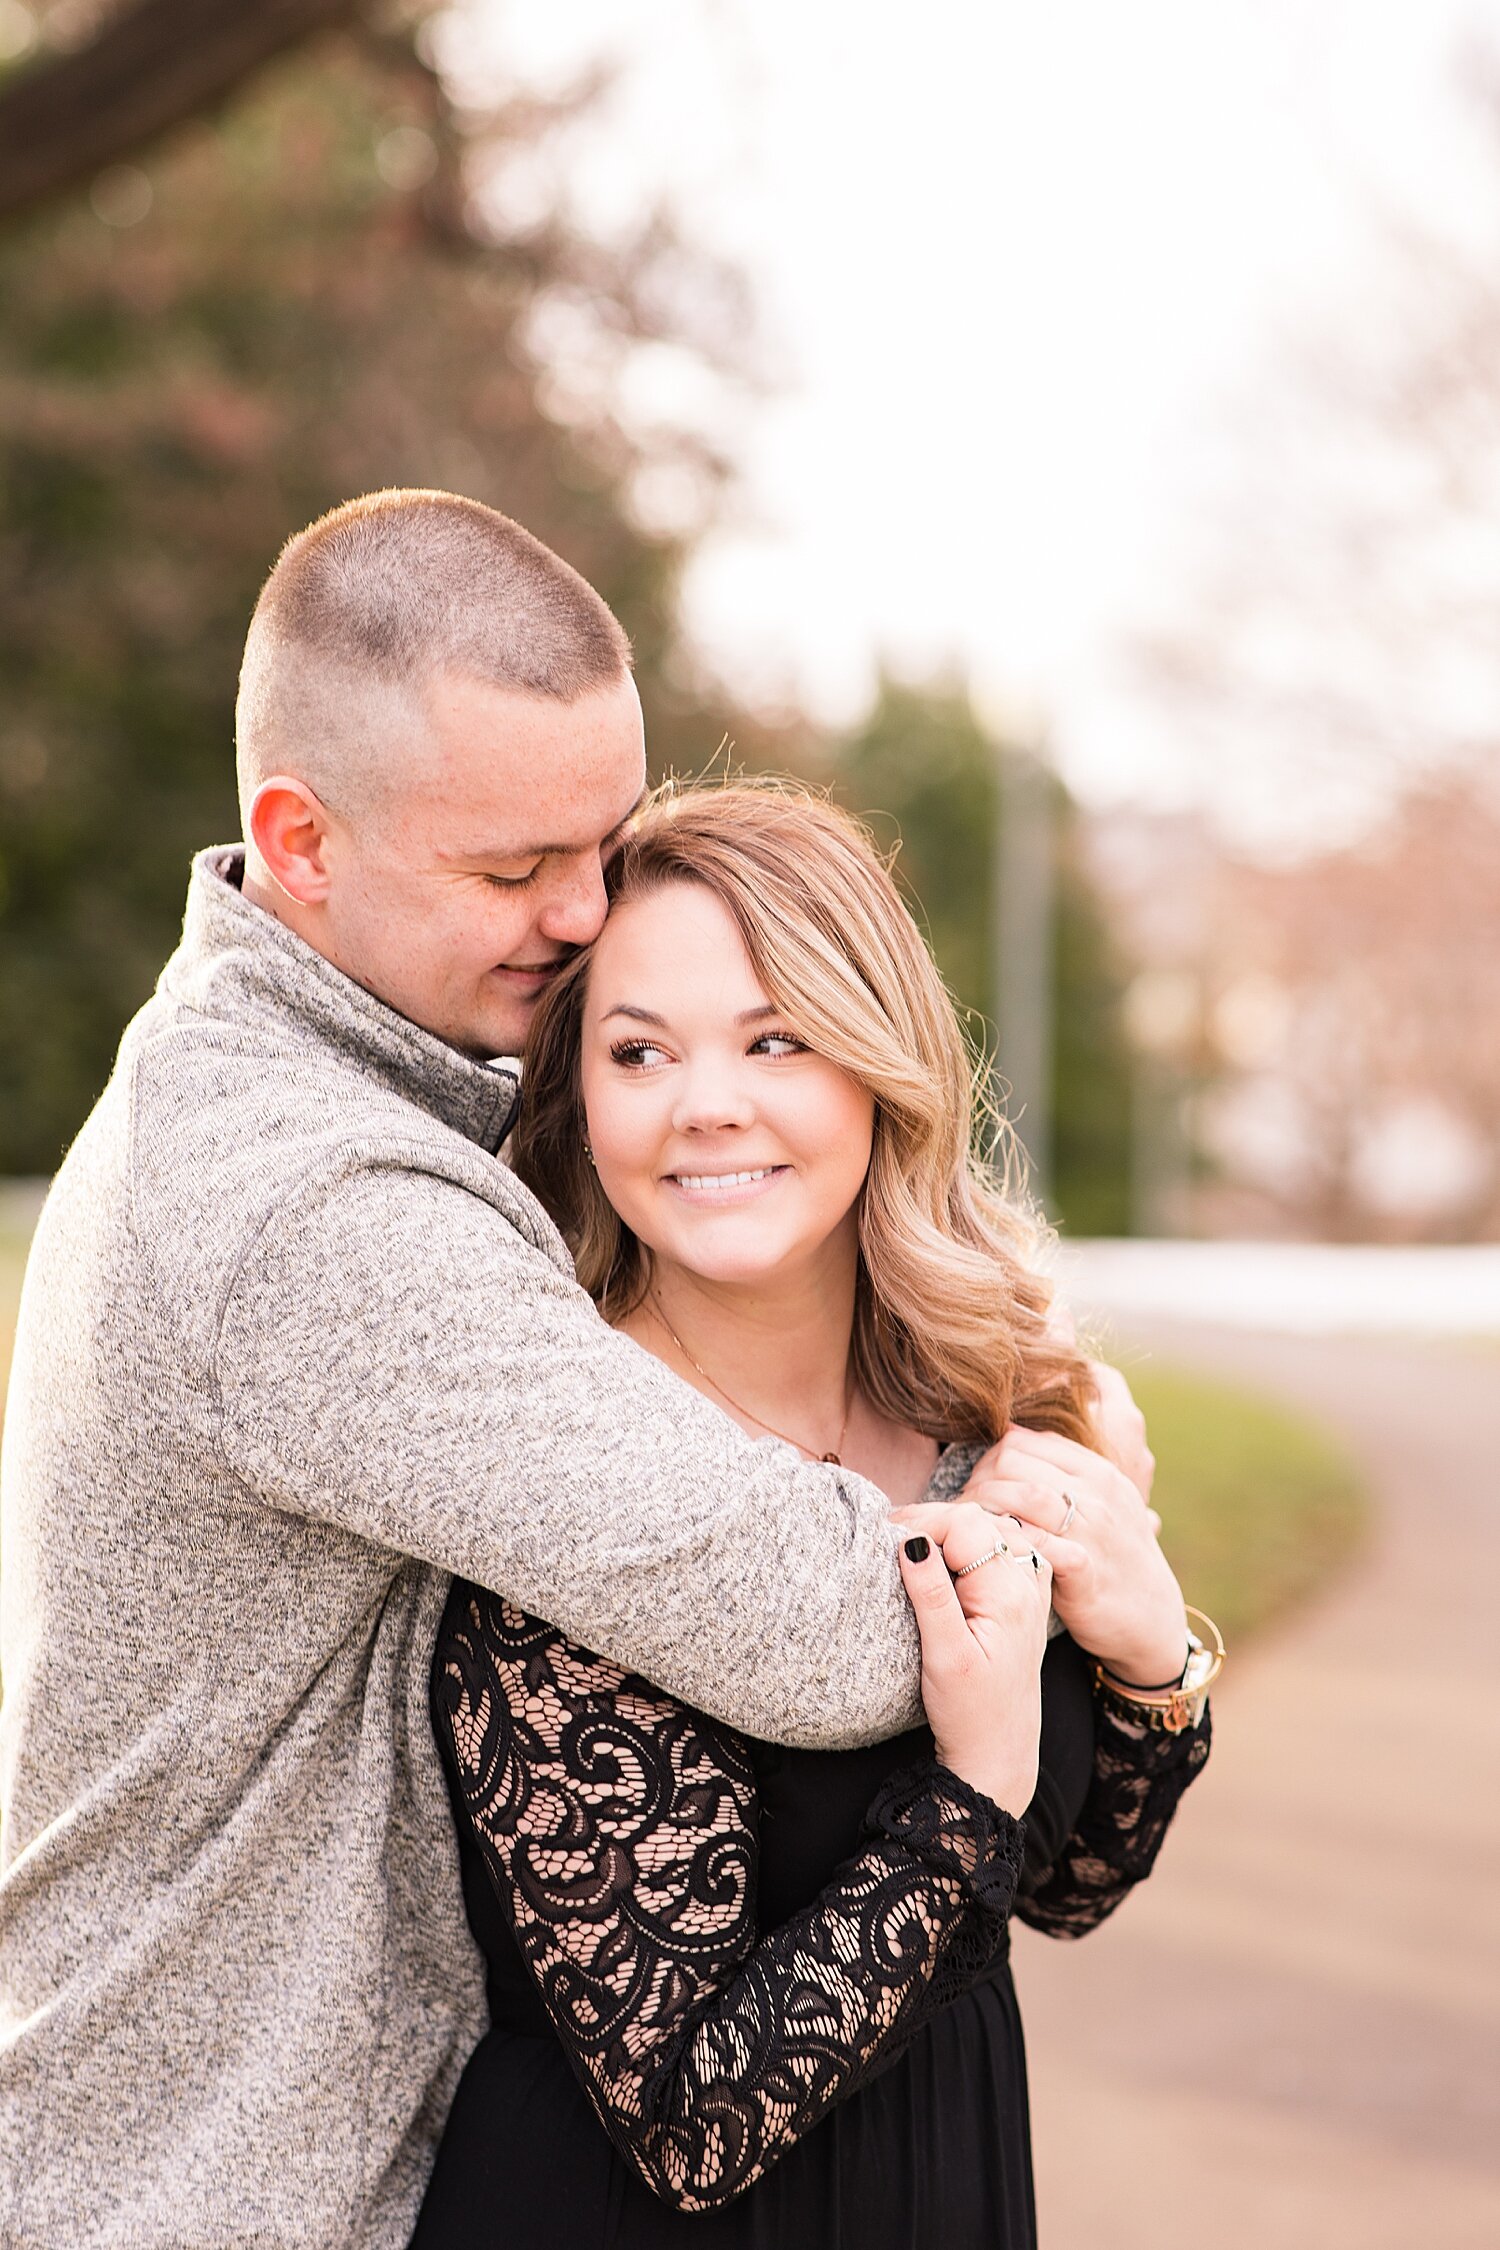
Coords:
619,1828
1138,1780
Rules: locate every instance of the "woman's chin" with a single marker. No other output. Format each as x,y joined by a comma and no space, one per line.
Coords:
726,1271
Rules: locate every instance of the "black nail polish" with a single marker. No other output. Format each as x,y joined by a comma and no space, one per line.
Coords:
917,1550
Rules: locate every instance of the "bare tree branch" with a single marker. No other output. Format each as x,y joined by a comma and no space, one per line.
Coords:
148,68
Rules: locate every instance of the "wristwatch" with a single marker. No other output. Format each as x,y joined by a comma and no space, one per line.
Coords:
1170,1710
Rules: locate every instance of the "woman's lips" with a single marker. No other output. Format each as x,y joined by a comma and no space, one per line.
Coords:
717,1189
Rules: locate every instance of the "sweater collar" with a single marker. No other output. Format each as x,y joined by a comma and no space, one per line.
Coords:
234,951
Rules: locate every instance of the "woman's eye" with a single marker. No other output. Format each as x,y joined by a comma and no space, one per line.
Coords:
779,1043
638,1054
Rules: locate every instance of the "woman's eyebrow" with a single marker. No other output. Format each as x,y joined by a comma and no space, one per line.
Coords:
659,1023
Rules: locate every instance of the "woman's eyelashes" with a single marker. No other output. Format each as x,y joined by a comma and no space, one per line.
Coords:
645,1054
638,1054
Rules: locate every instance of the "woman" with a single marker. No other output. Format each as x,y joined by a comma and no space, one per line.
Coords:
777,1979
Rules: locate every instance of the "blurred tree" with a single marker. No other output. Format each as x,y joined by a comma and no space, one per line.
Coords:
924,769
133,73
312,296
1336,645
1383,965
303,301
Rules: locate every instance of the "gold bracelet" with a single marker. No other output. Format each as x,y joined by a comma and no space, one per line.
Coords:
1181,1706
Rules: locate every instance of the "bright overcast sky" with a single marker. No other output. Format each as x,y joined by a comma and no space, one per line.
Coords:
1014,265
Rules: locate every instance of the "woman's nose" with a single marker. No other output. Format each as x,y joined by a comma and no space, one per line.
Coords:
711,1096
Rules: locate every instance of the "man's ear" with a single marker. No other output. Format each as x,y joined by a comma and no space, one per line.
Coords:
290,827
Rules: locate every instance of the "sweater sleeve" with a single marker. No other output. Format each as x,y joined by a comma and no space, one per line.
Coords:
619,1830
397,1359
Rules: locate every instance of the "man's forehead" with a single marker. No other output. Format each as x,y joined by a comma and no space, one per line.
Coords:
469,715
519,776
518,840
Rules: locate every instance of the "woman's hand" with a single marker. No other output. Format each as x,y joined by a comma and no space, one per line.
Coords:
1122,1428
1113,1587
1118,1420
983,1639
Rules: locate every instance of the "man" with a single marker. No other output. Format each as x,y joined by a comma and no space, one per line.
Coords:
294,1345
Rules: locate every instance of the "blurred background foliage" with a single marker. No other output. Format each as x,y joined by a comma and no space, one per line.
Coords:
926,772
258,255
301,295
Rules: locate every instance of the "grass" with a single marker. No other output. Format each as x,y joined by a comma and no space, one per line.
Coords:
1259,1504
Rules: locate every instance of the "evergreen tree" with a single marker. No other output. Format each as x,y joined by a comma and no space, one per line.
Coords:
924,772
198,356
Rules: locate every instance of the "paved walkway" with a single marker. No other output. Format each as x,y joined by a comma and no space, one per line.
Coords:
1291,2037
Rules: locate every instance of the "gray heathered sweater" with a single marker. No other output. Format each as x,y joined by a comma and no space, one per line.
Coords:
294,1345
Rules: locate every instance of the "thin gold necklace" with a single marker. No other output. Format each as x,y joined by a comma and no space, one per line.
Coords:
835,1459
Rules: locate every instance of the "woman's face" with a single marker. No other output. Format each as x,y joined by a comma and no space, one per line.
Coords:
725,1145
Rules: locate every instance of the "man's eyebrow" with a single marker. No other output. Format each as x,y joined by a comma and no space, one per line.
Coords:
493,854
547,851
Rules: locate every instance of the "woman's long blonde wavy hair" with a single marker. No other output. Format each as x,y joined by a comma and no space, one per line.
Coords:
951,1331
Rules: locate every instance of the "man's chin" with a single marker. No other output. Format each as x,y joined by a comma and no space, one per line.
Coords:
503,1032
496,1040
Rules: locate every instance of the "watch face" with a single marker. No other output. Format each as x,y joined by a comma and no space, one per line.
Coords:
1200,1666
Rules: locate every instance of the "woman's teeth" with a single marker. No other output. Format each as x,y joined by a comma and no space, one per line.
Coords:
712,1180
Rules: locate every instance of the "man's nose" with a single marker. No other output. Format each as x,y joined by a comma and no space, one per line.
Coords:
576,904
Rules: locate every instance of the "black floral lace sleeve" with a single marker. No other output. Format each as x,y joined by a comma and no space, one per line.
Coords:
619,1828
1138,1779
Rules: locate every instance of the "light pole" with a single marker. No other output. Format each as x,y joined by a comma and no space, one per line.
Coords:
1163,1012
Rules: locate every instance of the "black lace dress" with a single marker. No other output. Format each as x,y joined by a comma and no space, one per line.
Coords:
777,1979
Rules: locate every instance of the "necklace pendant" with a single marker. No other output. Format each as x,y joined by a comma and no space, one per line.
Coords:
832,1460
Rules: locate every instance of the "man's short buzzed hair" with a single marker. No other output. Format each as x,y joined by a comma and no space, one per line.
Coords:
385,594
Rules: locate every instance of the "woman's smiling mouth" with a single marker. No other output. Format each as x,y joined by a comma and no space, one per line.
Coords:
711,1186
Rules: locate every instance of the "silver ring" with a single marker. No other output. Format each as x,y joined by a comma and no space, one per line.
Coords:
1002,1549
1068,1518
